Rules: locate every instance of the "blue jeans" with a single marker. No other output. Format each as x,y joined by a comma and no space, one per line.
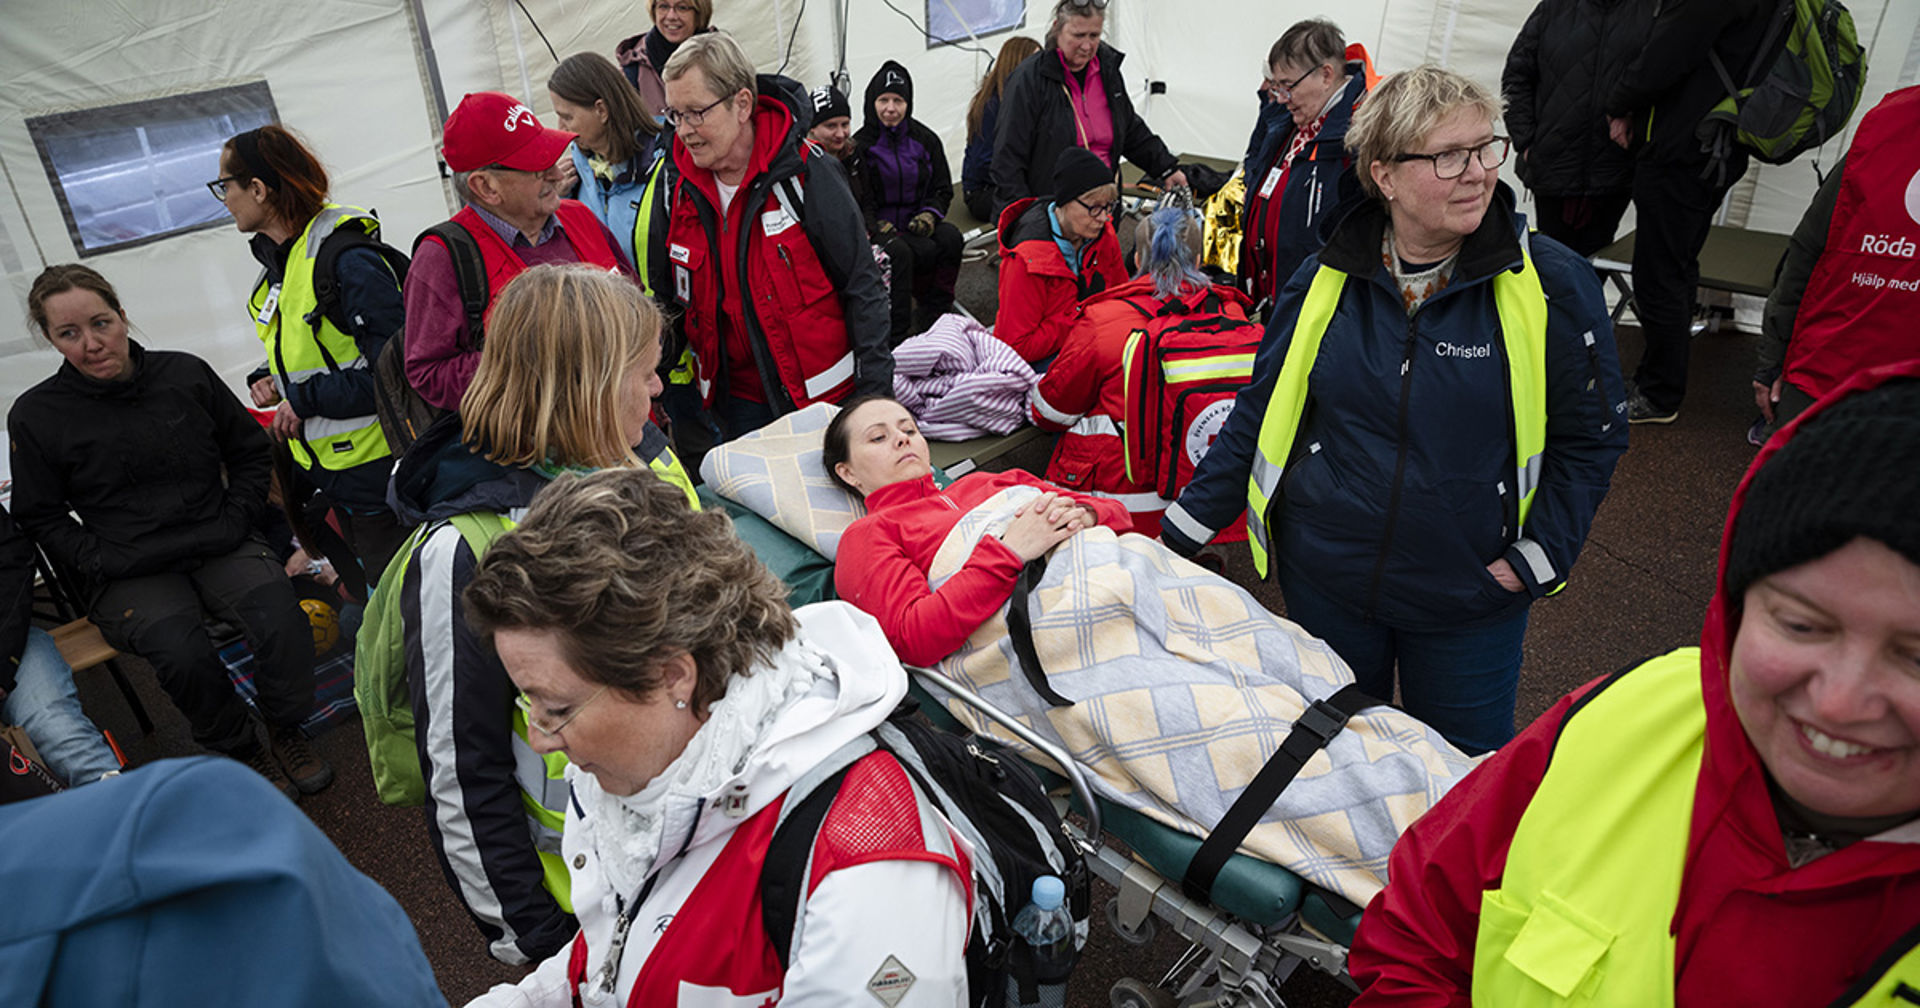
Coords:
45,703
1460,681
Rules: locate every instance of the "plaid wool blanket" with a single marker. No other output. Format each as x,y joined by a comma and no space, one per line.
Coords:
1183,685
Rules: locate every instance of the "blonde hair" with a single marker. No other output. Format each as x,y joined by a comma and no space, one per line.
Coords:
1406,106
560,342
719,58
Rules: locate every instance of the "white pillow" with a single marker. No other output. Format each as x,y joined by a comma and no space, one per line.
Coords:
775,472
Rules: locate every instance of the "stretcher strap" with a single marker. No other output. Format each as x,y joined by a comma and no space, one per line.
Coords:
1317,726
1020,632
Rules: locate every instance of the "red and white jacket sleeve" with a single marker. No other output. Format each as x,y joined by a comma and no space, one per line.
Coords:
1071,386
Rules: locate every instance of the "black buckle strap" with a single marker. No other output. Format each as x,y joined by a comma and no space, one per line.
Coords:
1316,726
1020,632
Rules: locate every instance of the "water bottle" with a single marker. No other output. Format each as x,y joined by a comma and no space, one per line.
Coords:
1042,958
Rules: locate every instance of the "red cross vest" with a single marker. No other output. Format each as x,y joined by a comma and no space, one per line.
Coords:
1864,292
578,228
726,900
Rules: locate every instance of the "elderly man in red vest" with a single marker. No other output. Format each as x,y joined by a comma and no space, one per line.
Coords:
506,170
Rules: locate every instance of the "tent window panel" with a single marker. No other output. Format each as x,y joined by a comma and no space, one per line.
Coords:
954,21
130,174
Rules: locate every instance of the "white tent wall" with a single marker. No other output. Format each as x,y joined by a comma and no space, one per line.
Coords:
341,72
350,76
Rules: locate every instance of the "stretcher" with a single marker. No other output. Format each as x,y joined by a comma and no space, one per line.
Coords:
1261,923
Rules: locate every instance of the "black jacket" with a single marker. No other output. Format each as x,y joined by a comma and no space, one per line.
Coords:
16,598
1671,86
1036,124
1559,71
903,169
142,463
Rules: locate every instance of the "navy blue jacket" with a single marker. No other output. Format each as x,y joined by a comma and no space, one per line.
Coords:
1317,185
1400,490
977,161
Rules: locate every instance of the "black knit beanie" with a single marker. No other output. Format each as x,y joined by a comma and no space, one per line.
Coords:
828,103
1853,470
1078,171
892,78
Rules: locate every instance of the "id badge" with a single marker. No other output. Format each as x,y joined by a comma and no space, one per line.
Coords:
269,306
1273,179
683,284
775,221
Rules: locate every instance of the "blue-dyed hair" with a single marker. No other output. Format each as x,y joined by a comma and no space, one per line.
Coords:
1172,242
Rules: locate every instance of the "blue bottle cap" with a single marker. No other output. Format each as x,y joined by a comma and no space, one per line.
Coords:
1048,892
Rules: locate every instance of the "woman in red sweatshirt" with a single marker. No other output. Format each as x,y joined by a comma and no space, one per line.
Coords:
874,448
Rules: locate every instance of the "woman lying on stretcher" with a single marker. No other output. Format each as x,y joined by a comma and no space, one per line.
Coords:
1171,685
874,448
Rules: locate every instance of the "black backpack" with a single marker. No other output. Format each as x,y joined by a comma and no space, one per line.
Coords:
404,416
992,798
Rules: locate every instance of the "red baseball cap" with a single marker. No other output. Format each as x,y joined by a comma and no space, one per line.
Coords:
491,128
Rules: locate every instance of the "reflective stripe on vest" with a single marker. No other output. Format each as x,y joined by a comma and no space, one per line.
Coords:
543,787
1585,905
315,347
643,226
666,465
1522,309
544,792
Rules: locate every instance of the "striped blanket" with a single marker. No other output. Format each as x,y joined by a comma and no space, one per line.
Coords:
1183,685
960,382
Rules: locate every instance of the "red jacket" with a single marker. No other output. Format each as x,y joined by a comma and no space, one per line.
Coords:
883,560
1038,290
762,307
1748,930
1861,298
1084,395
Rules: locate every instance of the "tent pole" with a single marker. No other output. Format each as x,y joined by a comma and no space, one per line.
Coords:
520,54
438,89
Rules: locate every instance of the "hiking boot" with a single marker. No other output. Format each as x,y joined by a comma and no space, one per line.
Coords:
1639,410
304,767
257,757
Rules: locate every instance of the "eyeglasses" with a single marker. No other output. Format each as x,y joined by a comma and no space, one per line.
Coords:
677,118
1282,92
673,8
1104,210
552,731
1084,4
218,187
1451,164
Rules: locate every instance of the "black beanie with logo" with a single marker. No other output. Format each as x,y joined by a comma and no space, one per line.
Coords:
1852,470
828,103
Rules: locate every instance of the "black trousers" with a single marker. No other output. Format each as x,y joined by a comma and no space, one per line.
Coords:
162,618
1585,224
1674,207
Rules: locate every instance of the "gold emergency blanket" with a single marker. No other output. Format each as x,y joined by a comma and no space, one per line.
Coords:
1183,685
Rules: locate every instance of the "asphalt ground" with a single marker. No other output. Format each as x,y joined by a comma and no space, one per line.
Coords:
1639,589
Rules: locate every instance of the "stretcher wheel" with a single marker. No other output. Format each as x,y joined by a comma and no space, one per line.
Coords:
1130,993
1132,937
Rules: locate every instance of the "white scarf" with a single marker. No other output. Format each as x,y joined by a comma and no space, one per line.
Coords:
626,833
